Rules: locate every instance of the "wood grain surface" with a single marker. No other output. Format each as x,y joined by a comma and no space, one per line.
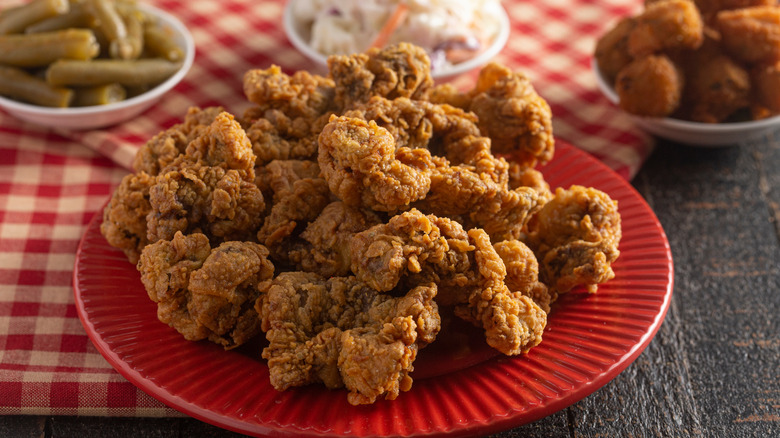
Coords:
713,369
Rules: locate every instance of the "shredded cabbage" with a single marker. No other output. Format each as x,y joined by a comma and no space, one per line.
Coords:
450,30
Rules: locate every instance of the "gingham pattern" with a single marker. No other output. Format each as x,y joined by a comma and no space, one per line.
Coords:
51,185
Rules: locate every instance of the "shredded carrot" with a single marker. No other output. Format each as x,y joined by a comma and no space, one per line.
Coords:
391,24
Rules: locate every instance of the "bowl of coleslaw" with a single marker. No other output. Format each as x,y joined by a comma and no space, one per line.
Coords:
459,35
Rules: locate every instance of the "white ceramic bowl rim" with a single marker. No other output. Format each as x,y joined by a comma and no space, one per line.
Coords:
481,58
693,127
189,57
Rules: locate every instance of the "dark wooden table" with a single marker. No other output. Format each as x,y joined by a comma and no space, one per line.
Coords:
713,369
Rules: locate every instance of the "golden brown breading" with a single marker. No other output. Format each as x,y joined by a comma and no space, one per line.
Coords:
513,322
124,217
360,162
301,95
751,35
377,198
289,112
575,237
210,189
413,246
444,130
412,249
324,244
650,86
612,48
401,70
471,194
715,89
206,293
164,147
295,207
277,177
275,136
522,273
343,333
766,84
666,25
517,120
522,176
509,111
364,168
710,8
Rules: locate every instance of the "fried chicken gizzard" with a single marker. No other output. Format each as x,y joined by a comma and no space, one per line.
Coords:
342,213
343,333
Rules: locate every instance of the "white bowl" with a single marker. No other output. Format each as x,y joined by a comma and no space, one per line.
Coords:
100,116
693,133
295,35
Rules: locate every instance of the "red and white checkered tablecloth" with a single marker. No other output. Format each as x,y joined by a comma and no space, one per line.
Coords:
52,183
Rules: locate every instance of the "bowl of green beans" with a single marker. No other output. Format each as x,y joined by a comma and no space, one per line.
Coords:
88,64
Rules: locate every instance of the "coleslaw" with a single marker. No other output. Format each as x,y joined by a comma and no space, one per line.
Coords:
451,31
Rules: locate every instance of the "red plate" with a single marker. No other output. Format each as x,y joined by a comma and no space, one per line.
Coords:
461,386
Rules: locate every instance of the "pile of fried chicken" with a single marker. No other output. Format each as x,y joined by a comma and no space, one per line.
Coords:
707,61
342,213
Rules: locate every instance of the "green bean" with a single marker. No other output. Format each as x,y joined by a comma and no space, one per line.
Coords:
17,84
135,36
159,43
16,20
77,17
105,71
39,49
99,95
113,26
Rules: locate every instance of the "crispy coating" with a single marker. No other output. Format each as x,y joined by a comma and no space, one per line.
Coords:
509,111
343,333
471,194
709,8
666,25
276,136
711,79
164,147
521,176
289,112
124,217
412,244
324,244
297,193
301,95
401,70
209,189
277,177
575,237
522,273
206,293
612,48
377,198
415,249
715,89
766,82
304,201
360,162
444,130
751,35
650,86
517,120
513,322
363,167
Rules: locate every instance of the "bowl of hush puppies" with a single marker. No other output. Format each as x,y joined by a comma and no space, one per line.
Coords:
700,75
